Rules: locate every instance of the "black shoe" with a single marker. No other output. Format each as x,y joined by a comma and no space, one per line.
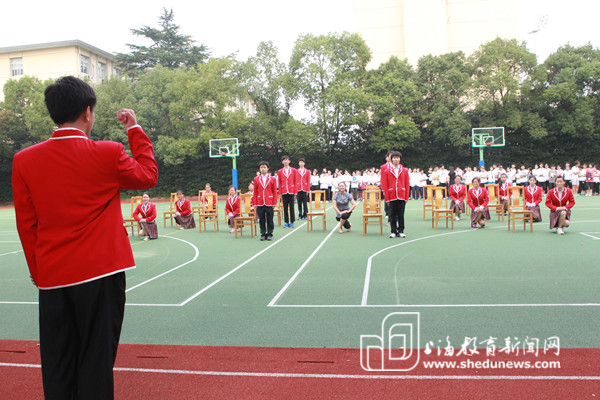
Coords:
263,237
269,237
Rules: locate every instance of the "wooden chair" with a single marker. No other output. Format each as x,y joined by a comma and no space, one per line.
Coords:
200,206
372,210
278,210
131,222
493,204
440,208
517,211
427,200
172,210
317,209
247,216
209,212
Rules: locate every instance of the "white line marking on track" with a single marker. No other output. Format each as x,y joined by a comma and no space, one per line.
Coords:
238,267
197,253
588,235
12,252
285,287
332,376
433,305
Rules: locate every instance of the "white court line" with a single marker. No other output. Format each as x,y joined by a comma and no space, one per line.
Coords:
197,253
591,236
238,267
433,305
370,260
333,376
12,252
10,241
285,287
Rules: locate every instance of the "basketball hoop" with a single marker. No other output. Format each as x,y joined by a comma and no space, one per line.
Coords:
223,154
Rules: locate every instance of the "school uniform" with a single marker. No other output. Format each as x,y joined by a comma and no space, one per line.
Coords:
556,199
504,194
533,195
147,212
66,193
478,198
264,199
395,183
186,219
303,181
288,187
458,193
232,206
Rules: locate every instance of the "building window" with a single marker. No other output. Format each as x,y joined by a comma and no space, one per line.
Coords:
102,72
84,65
16,66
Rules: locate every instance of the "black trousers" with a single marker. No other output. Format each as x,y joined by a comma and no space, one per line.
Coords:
288,208
397,215
265,220
302,198
80,328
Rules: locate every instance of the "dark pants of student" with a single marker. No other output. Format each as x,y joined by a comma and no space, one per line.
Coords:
265,220
288,208
80,328
302,198
397,215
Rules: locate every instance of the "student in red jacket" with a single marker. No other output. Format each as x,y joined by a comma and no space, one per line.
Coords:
396,186
458,193
303,181
145,215
504,192
183,212
478,200
232,207
264,199
66,192
533,198
560,200
288,186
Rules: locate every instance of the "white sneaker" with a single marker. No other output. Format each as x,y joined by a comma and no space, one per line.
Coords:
393,235
402,235
560,231
456,219
146,238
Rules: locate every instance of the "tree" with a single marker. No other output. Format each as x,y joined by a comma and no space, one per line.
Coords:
169,48
394,96
328,73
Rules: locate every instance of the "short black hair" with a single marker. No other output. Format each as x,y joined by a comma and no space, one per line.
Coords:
301,159
264,163
67,98
286,157
395,154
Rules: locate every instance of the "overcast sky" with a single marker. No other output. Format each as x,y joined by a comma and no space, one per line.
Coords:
229,26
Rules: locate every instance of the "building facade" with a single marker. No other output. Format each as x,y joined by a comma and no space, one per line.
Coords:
56,59
410,29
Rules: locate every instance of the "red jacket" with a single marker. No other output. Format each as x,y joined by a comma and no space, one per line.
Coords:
66,193
183,207
553,200
147,212
287,183
395,187
458,193
303,180
265,195
479,198
504,191
533,196
232,205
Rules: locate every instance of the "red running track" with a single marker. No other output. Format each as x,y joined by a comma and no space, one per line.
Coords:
192,372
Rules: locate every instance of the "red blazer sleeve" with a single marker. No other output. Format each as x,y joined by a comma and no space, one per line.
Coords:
141,171
470,199
27,220
137,212
549,202
384,181
570,199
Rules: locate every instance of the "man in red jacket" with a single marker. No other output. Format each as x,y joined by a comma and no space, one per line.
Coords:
265,199
395,184
66,193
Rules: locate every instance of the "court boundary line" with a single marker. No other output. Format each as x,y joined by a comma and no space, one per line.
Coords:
297,273
332,376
